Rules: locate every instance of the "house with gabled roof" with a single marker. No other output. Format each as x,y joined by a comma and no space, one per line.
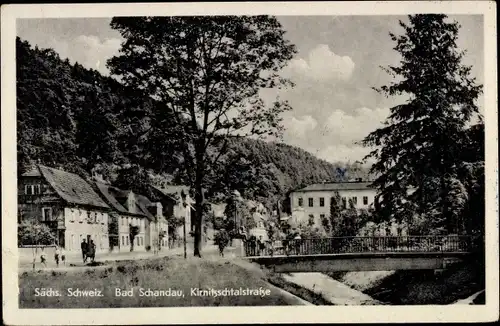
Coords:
66,203
156,229
132,210
177,202
126,214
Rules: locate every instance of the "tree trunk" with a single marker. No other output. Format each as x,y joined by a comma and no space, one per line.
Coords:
198,220
34,250
199,197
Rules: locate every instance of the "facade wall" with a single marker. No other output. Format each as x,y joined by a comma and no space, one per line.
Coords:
153,231
180,210
82,223
140,241
363,197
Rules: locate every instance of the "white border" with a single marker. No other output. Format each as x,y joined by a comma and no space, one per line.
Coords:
350,314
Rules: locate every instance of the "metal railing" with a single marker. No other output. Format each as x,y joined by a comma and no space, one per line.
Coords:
374,244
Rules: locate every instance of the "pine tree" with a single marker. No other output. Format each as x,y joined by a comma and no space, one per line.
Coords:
419,145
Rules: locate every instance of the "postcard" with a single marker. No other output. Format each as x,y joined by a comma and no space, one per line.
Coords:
249,162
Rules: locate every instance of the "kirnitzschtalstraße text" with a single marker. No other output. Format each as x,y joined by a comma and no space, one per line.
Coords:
227,292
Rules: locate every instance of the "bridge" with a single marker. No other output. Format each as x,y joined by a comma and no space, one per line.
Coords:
376,253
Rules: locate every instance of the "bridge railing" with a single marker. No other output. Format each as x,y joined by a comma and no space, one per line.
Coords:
340,245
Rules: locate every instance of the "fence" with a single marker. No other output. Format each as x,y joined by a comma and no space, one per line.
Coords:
339,245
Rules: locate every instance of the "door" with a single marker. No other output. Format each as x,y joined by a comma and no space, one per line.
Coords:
61,239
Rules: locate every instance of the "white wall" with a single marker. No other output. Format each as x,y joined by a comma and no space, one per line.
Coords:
316,210
78,227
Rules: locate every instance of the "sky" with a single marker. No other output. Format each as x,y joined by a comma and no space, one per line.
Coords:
337,65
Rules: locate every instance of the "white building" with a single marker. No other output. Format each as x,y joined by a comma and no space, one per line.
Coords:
314,200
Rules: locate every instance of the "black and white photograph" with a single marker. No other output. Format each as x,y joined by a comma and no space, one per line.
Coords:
168,157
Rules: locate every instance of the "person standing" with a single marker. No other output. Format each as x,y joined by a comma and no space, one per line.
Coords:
43,258
222,241
91,251
63,256
262,246
57,255
84,250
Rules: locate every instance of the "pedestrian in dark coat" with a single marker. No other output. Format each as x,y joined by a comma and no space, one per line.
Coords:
84,250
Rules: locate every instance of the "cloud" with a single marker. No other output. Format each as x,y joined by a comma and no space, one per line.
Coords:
92,52
300,127
334,137
344,128
321,65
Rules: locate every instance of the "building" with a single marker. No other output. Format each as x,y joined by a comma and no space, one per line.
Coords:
177,202
130,210
67,203
313,201
157,228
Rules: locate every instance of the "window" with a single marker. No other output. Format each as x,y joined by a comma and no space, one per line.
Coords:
47,214
96,218
123,240
311,202
321,201
344,202
89,218
365,200
123,221
301,202
80,213
28,190
126,237
71,215
36,189
322,216
355,200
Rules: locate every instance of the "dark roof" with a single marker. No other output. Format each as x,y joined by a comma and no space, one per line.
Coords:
170,192
71,187
112,194
336,186
173,190
143,202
